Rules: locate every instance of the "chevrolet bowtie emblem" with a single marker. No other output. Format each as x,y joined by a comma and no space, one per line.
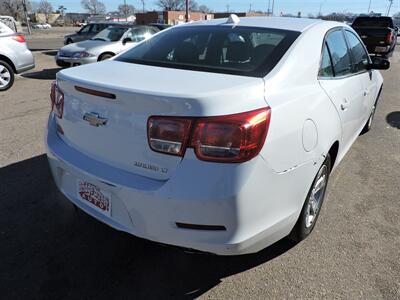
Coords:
94,119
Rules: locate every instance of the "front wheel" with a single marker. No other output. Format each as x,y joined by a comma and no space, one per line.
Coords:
105,56
312,206
6,76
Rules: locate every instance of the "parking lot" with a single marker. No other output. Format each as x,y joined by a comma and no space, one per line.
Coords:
50,250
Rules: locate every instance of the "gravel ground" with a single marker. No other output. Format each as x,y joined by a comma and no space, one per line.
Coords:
50,250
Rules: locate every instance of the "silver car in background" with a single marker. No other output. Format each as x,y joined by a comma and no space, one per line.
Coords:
15,57
104,45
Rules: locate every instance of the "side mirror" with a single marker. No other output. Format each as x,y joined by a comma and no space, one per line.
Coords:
379,63
126,40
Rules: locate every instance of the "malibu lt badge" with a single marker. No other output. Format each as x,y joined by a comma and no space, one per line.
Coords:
94,119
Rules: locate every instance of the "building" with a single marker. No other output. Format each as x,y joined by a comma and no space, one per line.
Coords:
222,15
170,17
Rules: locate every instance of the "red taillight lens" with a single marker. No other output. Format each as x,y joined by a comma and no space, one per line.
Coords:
53,93
57,100
168,135
231,138
19,38
389,38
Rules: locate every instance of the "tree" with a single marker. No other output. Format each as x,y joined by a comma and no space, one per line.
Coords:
176,5
126,9
45,8
13,8
94,7
204,9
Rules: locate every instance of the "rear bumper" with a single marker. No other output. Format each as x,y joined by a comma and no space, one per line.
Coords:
256,205
24,61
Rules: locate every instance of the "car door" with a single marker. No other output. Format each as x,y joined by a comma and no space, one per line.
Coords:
367,78
341,86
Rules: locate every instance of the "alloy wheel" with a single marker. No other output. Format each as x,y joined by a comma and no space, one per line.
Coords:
316,196
5,76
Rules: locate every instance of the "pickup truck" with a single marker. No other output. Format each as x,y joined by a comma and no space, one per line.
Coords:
378,34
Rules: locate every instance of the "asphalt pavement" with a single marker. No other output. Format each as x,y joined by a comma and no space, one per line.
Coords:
50,250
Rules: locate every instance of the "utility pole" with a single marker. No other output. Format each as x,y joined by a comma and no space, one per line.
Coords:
125,10
143,5
26,16
227,8
269,6
272,10
250,8
369,6
390,6
187,10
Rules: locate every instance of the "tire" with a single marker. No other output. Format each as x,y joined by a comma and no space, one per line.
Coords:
6,76
69,41
105,56
312,208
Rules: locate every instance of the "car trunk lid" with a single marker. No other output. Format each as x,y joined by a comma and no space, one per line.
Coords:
120,97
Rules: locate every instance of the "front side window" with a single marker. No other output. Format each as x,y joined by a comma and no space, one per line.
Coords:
110,34
339,53
240,50
85,29
360,56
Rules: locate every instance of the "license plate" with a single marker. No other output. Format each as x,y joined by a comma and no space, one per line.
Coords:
94,196
380,49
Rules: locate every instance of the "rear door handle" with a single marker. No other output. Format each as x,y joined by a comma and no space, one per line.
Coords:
366,93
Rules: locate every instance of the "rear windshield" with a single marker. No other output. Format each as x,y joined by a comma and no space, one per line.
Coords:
248,51
110,34
373,22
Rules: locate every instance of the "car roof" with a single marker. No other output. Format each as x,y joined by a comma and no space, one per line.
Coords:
285,23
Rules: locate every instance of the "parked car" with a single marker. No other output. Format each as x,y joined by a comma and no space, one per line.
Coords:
160,26
86,32
378,34
218,136
11,22
15,56
104,45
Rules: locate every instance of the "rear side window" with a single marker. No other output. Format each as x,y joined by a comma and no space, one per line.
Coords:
360,56
326,64
248,51
339,53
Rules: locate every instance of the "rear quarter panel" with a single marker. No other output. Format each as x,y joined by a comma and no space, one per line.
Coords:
297,101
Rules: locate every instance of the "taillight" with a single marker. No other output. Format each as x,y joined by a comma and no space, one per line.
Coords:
230,138
389,38
57,100
19,38
168,135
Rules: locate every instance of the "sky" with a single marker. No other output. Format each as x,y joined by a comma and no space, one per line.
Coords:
281,6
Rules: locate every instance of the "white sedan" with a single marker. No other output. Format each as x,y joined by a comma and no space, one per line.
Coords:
219,135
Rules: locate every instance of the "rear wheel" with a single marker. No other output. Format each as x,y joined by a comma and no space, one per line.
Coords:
106,56
312,206
6,76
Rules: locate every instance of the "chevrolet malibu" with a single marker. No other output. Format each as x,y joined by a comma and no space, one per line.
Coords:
218,136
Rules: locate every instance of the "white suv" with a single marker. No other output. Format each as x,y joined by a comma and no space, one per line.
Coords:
15,57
